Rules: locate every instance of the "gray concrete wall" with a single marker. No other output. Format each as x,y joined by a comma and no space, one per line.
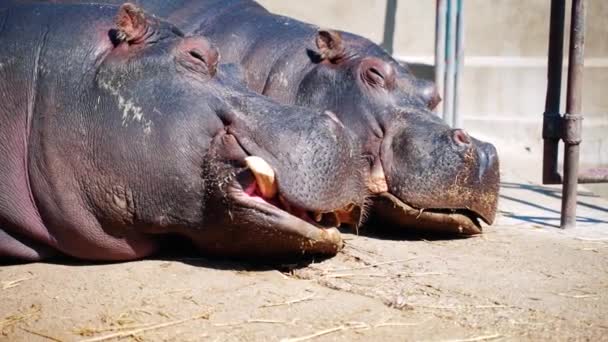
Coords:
505,70
494,27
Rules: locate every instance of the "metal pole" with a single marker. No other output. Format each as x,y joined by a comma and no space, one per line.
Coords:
440,32
459,63
572,124
389,26
551,117
448,115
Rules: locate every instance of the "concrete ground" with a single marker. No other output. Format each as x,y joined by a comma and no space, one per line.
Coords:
523,279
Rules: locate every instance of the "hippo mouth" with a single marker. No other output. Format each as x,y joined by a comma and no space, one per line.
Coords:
256,189
461,221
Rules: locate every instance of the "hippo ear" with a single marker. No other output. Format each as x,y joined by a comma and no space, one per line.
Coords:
329,43
132,23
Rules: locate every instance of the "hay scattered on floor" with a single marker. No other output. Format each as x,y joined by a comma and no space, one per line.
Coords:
478,338
133,332
397,324
382,275
43,335
591,239
371,266
578,296
14,283
315,335
9,322
89,332
290,302
350,326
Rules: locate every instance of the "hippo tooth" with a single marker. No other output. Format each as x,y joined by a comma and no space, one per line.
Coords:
377,183
318,217
264,176
336,218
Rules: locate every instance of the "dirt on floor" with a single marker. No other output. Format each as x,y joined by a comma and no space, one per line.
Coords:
516,282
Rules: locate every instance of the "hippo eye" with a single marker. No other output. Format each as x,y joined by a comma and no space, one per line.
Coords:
376,72
374,77
197,55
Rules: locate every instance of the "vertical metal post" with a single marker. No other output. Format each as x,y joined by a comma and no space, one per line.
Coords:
551,117
389,26
572,122
450,70
459,63
440,36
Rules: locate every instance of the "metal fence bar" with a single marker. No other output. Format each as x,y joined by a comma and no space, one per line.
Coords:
572,121
388,40
450,69
551,117
457,121
440,36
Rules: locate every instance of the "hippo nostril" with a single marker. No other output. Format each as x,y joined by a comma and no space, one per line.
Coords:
461,137
487,159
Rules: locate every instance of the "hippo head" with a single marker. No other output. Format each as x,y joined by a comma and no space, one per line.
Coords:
438,178
425,174
239,174
379,77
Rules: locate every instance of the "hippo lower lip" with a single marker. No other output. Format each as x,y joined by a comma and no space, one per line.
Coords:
285,217
462,221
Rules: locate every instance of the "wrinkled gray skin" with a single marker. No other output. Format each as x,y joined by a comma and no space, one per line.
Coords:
116,132
372,94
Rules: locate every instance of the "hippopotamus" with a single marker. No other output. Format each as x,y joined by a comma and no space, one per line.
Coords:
423,173
118,130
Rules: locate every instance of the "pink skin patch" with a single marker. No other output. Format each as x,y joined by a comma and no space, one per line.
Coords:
253,191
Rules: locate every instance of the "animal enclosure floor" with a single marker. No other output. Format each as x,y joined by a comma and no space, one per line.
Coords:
523,279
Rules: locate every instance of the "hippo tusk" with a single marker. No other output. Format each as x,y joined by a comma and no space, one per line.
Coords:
377,183
264,176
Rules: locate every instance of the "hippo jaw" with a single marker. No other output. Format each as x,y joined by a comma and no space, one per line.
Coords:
324,240
316,232
389,208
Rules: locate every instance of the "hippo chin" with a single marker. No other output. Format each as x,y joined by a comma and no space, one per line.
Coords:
117,130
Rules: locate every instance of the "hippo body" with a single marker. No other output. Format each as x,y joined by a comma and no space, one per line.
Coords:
116,129
424,173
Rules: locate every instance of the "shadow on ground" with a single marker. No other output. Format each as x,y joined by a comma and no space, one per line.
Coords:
534,200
